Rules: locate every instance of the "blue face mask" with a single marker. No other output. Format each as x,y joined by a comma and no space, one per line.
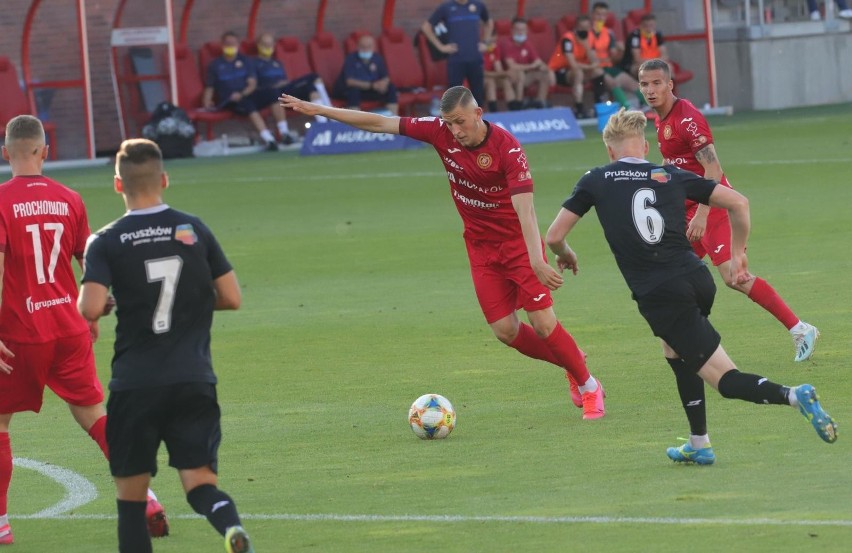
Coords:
365,55
519,38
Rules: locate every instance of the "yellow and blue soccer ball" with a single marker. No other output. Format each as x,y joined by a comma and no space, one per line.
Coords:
432,417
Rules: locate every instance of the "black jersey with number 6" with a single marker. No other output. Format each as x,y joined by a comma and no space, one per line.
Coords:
640,206
160,264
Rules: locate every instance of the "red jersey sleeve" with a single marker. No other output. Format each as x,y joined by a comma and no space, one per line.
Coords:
424,129
693,128
517,170
83,232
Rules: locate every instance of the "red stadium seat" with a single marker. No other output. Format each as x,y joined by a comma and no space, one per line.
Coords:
15,102
326,57
434,71
404,69
502,28
190,85
290,51
632,20
248,47
350,43
566,23
209,51
542,37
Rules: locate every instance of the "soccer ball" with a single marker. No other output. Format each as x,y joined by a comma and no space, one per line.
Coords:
432,417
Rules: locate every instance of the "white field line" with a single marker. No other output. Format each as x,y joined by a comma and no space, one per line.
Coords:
78,490
431,519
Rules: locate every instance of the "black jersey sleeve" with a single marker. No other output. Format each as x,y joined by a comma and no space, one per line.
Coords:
95,263
582,199
219,264
697,188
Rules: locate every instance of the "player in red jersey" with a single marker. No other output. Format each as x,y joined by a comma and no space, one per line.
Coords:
686,142
492,188
43,339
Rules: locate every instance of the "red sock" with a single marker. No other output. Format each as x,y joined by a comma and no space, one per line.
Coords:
5,470
98,433
565,350
765,296
528,343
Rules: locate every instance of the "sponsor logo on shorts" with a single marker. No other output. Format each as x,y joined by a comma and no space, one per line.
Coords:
33,306
718,248
539,297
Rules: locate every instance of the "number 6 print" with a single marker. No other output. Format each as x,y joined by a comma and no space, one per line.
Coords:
647,220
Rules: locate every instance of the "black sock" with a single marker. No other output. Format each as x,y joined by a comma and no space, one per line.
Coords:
753,388
492,106
132,527
216,505
599,89
690,387
515,105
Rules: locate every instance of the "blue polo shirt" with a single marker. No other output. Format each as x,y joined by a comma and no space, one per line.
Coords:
227,77
462,22
370,70
269,72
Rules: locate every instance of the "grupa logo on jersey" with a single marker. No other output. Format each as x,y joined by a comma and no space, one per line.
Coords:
33,306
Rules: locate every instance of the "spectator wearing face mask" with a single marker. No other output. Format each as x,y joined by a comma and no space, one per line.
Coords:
365,78
525,66
230,84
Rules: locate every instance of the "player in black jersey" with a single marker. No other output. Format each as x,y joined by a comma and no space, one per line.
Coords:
168,274
640,206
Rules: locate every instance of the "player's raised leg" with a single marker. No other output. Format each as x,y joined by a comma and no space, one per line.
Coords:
759,291
720,372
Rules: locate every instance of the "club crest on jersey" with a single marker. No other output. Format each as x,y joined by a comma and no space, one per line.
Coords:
484,161
660,175
186,234
667,132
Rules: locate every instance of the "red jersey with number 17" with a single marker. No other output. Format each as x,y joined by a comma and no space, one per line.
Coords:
42,224
680,135
482,179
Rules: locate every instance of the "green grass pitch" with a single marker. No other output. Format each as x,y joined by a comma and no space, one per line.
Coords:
357,299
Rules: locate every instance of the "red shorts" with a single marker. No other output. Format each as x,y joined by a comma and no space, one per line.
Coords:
716,241
503,278
65,365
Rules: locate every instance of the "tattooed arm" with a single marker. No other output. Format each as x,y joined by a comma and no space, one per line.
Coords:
706,156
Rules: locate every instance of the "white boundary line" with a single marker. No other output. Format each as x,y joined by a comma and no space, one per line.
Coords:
331,517
78,490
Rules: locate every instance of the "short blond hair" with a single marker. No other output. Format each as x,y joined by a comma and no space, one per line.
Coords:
624,124
24,127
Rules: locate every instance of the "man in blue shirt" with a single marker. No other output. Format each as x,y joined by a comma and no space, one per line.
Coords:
462,20
365,77
231,80
272,82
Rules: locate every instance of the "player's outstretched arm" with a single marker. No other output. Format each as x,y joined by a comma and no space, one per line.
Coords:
738,213
555,239
364,120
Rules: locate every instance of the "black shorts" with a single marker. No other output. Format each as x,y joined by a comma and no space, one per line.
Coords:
184,416
245,106
677,312
301,88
